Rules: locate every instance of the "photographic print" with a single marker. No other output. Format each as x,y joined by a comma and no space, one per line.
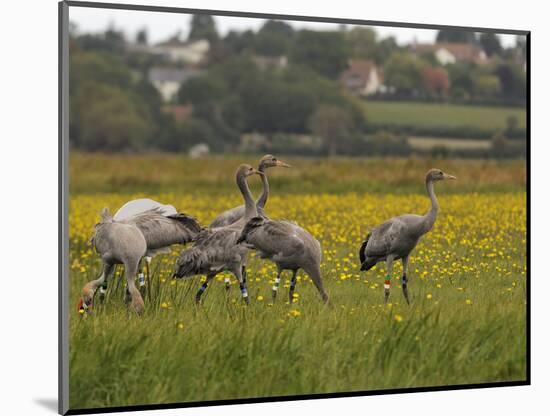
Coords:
267,207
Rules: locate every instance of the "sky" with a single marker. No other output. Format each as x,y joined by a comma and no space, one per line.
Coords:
161,26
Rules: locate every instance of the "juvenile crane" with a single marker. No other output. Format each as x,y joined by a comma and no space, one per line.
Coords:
288,245
234,214
216,249
161,225
128,241
397,237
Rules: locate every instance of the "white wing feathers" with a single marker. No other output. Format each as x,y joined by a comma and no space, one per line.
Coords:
138,206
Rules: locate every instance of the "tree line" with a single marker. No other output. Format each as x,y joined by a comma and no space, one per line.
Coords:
115,108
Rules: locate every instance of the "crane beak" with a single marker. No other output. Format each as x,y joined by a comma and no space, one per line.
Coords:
445,176
257,172
283,164
82,306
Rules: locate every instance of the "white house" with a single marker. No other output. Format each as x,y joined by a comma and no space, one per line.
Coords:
190,52
451,53
362,78
168,81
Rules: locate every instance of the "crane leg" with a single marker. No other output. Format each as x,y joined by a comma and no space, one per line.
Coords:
141,280
387,281
148,272
292,286
404,279
244,274
107,268
242,283
203,288
275,287
132,292
88,291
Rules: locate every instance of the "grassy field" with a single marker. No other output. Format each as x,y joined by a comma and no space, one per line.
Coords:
418,114
465,324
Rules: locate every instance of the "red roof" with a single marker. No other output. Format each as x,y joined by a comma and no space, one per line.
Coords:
358,73
462,51
180,112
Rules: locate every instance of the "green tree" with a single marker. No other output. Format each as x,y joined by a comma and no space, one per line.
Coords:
333,125
456,36
487,85
110,119
462,80
362,41
141,37
364,45
203,26
102,68
274,38
512,80
201,89
404,72
325,52
490,44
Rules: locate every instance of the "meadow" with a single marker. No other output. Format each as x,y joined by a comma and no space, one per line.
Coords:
418,114
465,324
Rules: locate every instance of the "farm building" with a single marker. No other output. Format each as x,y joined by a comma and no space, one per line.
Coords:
362,78
451,53
167,81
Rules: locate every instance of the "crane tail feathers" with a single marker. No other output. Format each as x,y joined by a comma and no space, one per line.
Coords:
188,221
362,254
189,263
368,264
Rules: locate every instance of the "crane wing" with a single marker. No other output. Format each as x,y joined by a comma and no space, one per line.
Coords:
281,238
139,206
228,217
161,231
213,250
384,238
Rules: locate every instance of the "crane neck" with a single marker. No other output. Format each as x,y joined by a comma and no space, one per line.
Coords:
249,204
431,215
262,200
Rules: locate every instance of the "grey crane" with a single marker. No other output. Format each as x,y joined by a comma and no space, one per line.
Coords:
234,214
397,237
215,250
289,246
161,225
128,241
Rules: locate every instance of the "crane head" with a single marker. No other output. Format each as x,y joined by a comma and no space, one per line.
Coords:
269,161
437,175
86,300
247,170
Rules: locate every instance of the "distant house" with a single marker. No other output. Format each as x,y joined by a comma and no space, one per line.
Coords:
270,62
451,53
178,111
168,81
362,78
190,52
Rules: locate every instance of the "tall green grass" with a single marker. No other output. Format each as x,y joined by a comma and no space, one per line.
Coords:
226,350
465,324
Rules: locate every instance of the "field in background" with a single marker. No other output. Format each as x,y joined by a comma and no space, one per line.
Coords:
466,322
428,143
417,114
154,173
